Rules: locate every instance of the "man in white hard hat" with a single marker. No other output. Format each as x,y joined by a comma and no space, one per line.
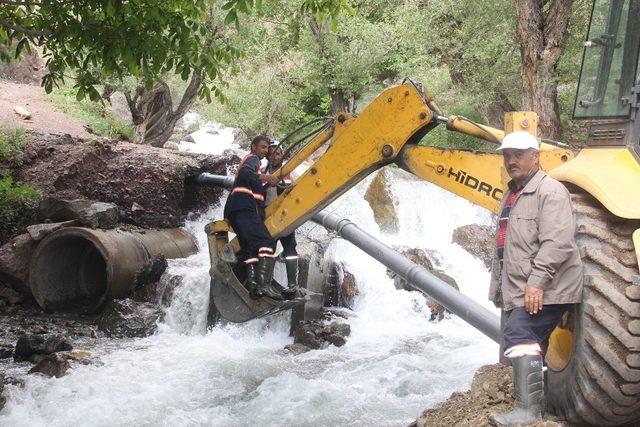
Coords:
537,272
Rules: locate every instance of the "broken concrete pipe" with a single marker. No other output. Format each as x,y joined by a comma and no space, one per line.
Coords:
79,269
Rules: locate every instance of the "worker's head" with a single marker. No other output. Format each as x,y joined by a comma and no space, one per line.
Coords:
275,155
260,146
520,151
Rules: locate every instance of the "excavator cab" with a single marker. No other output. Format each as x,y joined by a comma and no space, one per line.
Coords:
609,87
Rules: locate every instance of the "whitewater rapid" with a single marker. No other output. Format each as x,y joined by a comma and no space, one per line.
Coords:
395,363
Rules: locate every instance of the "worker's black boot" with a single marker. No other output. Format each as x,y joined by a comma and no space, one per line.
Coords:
251,280
264,275
529,387
291,263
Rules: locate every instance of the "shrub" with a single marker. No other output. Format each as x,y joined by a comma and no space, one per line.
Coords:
17,207
11,143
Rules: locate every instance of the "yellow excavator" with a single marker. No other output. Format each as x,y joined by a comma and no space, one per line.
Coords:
594,356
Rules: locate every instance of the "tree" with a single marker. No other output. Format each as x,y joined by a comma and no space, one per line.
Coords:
96,39
542,29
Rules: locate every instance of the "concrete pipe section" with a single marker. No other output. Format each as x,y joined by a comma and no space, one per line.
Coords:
80,269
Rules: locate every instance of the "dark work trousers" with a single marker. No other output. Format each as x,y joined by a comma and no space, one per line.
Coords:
252,233
524,328
289,245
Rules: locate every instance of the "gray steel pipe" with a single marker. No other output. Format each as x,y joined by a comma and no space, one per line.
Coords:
215,180
79,269
417,276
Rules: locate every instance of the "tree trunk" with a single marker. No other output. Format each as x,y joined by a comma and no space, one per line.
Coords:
541,29
153,114
340,104
492,112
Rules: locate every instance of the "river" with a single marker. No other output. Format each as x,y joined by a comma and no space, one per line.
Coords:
395,363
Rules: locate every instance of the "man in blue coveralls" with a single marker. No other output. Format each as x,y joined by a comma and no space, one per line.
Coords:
244,210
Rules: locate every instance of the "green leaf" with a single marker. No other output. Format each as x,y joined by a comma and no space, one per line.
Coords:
94,95
231,18
80,94
21,45
111,7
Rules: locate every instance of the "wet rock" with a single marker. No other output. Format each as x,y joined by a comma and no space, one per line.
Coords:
382,203
316,335
421,258
188,138
40,231
129,318
342,287
151,271
52,365
3,399
6,350
15,257
297,348
159,292
478,240
340,328
308,335
29,345
10,296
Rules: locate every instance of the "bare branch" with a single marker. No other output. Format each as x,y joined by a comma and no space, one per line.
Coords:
21,30
20,3
189,94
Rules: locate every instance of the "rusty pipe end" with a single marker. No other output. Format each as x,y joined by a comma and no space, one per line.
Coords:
70,271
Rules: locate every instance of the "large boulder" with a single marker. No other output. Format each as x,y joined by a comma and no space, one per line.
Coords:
421,258
15,257
129,318
121,173
317,335
478,240
241,138
87,213
29,345
382,203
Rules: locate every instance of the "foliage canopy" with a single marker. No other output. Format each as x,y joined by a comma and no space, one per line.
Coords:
142,38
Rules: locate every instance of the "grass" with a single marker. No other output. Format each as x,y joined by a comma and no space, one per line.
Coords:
18,202
11,143
96,115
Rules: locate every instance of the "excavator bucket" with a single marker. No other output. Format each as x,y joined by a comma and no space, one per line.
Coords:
227,293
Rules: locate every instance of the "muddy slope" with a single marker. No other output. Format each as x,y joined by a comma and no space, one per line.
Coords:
149,185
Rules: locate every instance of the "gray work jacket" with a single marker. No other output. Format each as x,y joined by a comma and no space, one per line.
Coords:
540,247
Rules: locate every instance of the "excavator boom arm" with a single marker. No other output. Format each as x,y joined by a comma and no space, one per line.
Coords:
388,131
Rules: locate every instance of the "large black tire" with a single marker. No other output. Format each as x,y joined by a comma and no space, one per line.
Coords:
600,385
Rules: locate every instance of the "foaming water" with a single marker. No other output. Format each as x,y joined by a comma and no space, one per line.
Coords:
395,362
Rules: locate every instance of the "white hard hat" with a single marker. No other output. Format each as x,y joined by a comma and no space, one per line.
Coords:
520,140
